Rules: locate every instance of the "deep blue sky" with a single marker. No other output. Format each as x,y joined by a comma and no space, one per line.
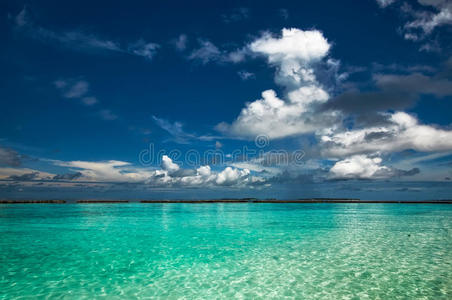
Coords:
87,83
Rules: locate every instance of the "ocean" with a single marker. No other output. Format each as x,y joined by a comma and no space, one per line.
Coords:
226,250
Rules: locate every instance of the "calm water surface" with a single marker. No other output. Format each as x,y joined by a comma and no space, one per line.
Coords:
308,251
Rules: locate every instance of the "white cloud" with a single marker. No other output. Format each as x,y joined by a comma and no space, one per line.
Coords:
276,118
257,165
359,166
294,54
204,171
428,21
170,174
112,170
230,176
168,165
384,3
402,132
235,56
423,22
294,44
367,167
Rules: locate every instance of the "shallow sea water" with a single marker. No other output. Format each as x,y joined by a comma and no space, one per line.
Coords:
208,251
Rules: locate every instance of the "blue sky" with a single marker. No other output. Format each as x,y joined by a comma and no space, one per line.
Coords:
202,99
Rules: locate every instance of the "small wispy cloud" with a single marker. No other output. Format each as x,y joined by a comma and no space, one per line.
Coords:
236,15
283,13
80,40
144,49
107,115
208,52
79,89
175,130
89,100
178,134
245,75
75,89
180,43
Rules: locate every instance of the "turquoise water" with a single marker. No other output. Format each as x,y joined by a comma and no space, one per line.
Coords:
310,251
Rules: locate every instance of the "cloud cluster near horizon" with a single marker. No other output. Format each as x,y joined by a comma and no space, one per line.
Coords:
170,174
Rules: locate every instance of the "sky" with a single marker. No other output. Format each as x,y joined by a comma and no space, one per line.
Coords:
216,99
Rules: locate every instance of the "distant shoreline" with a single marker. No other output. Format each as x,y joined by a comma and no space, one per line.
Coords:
244,200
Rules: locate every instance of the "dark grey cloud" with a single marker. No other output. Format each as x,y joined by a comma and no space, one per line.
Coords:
296,177
24,177
68,176
358,102
411,172
9,157
287,177
415,83
394,172
379,68
390,92
183,173
378,135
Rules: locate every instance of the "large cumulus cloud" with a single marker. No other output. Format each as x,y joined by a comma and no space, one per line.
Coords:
294,54
402,132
